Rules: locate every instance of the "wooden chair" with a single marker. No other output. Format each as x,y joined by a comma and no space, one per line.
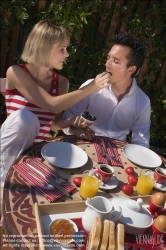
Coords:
2,91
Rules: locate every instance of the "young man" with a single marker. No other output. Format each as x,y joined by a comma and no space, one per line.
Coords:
122,107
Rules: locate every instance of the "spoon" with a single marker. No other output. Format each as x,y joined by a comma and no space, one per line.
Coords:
46,186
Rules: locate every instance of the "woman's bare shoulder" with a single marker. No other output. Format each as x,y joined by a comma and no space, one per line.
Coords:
14,70
15,76
11,73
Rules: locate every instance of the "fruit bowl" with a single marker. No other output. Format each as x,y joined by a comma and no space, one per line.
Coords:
88,117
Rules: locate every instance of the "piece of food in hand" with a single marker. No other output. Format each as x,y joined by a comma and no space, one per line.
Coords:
88,117
105,235
111,237
120,235
95,235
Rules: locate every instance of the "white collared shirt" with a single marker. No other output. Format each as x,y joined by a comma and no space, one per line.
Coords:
116,119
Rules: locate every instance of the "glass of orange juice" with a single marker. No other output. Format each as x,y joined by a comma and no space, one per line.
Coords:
90,184
146,182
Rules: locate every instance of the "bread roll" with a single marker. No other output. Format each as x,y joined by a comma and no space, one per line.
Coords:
120,234
95,235
104,236
111,238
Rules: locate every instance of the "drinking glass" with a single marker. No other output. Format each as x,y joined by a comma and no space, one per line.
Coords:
90,184
146,182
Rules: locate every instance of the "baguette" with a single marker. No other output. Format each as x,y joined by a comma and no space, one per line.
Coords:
95,235
111,241
120,233
105,235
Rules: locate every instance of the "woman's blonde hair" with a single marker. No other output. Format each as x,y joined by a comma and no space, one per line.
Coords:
40,42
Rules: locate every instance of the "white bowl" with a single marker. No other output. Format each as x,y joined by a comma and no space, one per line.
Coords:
86,120
68,244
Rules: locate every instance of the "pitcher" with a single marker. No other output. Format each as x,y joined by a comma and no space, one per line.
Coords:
98,207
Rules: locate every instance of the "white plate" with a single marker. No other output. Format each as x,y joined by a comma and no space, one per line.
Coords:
110,184
142,156
64,155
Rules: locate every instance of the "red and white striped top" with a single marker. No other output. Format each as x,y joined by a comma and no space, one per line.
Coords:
16,101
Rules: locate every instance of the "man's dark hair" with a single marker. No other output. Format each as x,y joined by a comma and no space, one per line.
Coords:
137,49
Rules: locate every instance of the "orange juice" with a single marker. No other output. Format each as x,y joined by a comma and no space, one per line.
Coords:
89,186
145,184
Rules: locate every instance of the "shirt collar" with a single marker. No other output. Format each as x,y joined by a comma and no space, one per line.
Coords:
133,88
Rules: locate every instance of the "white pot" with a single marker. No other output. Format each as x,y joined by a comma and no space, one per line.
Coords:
135,217
101,207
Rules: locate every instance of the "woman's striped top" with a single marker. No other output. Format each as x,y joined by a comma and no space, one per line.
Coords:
16,101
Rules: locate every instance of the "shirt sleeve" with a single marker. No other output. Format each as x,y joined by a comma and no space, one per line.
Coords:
141,129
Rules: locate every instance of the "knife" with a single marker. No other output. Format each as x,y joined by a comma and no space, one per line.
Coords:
59,180
51,180
39,164
105,152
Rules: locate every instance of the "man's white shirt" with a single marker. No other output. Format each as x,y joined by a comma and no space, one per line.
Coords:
116,119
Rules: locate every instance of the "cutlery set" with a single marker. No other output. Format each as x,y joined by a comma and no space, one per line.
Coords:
59,180
104,152
51,181
46,186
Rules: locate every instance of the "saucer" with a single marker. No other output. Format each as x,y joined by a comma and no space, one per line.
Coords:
110,184
161,187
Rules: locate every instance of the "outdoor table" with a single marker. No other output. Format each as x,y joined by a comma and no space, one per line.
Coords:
20,197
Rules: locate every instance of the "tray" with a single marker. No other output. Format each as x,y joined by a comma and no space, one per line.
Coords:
45,213
73,210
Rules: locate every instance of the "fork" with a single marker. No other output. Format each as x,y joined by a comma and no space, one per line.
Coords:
59,180
113,155
104,154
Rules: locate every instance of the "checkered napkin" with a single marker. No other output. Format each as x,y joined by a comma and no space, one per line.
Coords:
50,195
99,149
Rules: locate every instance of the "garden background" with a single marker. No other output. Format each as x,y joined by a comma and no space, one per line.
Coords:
92,25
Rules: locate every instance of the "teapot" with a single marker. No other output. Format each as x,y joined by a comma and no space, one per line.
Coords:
136,218
101,207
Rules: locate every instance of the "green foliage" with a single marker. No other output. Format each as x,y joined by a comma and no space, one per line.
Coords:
145,19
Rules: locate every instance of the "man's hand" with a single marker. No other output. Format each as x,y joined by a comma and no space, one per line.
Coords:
79,122
84,133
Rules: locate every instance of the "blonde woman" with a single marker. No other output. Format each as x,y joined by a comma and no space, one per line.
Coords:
36,95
